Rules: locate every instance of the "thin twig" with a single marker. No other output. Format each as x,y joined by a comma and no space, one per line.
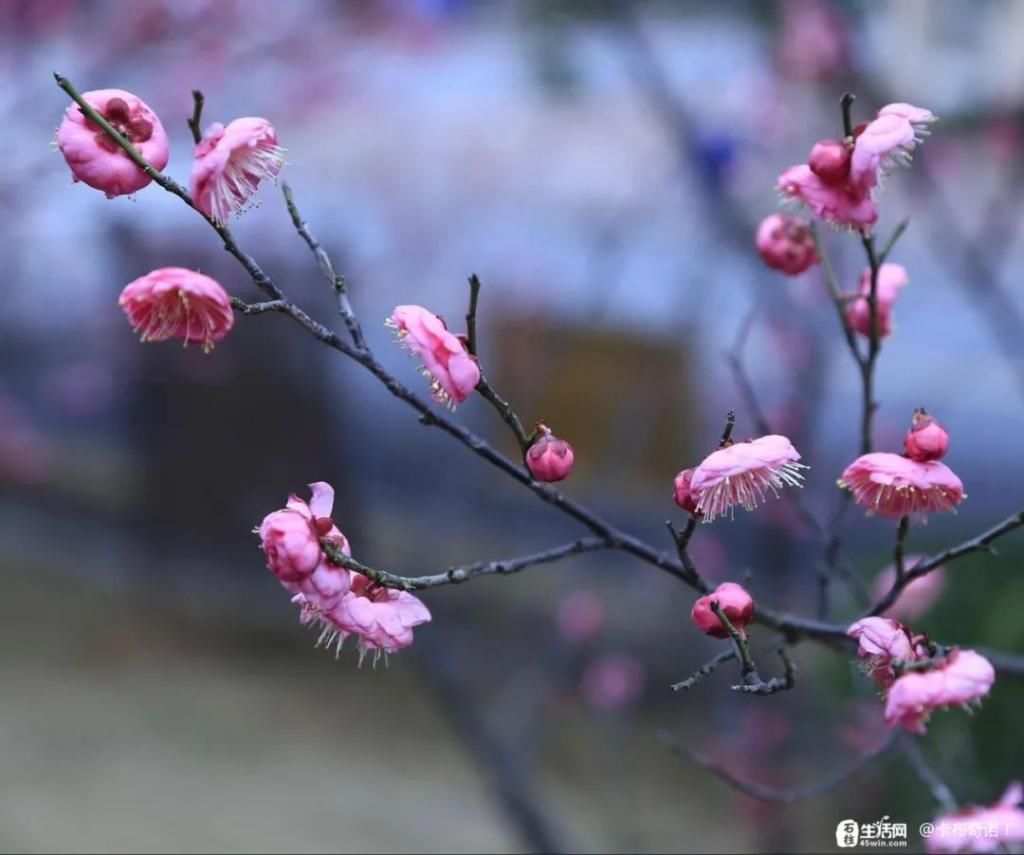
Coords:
327,268
463,574
195,123
791,795
730,423
980,543
739,640
705,670
682,542
869,405
258,308
835,292
901,540
897,233
775,684
474,297
846,104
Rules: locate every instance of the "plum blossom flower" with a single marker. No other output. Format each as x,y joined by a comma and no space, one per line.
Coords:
839,204
741,473
230,162
173,302
736,604
961,678
881,642
840,190
549,458
291,540
683,493
95,159
452,370
980,829
926,439
891,278
785,244
382,619
896,486
917,597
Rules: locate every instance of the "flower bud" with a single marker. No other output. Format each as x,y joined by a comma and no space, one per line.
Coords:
926,439
549,458
736,604
785,244
684,494
830,161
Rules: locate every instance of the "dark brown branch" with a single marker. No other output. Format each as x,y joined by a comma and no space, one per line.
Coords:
789,795
730,423
463,574
474,297
867,366
258,308
195,123
327,268
897,552
682,542
705,670
980,543
846,104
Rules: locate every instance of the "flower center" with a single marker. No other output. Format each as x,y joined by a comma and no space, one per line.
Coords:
134,126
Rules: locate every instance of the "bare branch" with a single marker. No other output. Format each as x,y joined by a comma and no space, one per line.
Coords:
789,795
258,308
915,759
195,123
705,670
463,574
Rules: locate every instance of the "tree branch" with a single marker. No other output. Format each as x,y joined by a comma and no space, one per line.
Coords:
705,670
195,123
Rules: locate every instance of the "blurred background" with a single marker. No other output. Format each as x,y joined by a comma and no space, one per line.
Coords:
602,167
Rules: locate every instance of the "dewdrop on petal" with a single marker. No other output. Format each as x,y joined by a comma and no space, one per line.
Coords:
895,486
230,162
173,302
452,370
742,473
96,159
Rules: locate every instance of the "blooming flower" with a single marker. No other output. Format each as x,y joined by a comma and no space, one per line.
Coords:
381,618
291,539
881,642
683,492
841,204
452,370
739,474
891,278
843,193
172,302
785,244
230,162
549,458
886,141
896,486
736,604
95,159
980,829
917,597
964,676
926,439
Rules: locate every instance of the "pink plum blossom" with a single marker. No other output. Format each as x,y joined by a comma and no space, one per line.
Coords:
896,486
785,244
917,597
926,439
291,540
382,619
451,369
830,161
683,493
736,604
888,140
95,159
549,458
891,278
880,643
980,829
230,162
961,678
741,473
173,302
840,205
